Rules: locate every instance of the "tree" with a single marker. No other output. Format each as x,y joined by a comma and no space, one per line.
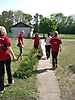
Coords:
37,18
48,25
6,19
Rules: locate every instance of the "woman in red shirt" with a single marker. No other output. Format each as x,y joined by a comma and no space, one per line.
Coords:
20,44
56,47
36,43
5,58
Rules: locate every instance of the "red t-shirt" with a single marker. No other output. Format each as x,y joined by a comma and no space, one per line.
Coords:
20,39
36,40
55,43
4,55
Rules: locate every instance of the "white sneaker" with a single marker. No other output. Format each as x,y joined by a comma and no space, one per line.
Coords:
11,83
2,91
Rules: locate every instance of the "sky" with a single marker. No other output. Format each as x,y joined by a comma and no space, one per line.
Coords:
43,7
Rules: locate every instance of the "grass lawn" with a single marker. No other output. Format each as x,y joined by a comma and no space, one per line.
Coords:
22,89
66,71
25,89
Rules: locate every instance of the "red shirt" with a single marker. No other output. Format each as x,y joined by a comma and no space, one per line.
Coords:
36,40
55,43
20,39
4,55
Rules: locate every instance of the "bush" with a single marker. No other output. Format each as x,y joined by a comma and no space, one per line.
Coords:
26,67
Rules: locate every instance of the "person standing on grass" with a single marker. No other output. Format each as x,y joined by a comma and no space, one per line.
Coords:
56,47
36,39
48,45
5,58
20,44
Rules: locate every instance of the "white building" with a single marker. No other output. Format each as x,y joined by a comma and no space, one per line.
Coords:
15,29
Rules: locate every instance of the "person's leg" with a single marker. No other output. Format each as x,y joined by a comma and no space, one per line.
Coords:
20,54
46,49
36,49
56,59
53,59
8,69
1,75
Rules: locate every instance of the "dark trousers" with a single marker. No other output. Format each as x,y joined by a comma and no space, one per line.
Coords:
54,58
48,47
2,71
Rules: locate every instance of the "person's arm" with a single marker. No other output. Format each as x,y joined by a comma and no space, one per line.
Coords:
45,40
60,48
12,53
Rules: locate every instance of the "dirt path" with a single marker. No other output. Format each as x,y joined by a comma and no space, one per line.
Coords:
48,87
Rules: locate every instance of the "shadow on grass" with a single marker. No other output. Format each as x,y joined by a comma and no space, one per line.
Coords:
72,68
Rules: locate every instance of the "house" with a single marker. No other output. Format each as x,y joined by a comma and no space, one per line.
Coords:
15,29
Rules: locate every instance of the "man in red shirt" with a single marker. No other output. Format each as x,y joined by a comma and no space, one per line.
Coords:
56,47
36,43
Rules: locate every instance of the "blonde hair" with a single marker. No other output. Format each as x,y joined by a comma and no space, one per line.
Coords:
3,30
22,31
55,33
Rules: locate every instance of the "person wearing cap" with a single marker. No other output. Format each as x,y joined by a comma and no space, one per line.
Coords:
20,44
5,58
48,45
36,39
56,47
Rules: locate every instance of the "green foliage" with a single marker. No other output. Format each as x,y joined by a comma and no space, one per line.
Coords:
48,25
26,67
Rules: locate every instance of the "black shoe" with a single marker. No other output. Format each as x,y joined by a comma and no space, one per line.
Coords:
11,83
53,68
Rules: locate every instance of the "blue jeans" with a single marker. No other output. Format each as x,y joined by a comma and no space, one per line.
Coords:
21,49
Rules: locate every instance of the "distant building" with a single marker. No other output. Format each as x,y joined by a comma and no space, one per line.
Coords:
15,29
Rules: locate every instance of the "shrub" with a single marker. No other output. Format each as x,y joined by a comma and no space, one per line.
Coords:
26,67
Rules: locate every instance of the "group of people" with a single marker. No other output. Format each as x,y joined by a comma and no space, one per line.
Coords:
52,43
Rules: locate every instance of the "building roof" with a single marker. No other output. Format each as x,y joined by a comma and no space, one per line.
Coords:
22,24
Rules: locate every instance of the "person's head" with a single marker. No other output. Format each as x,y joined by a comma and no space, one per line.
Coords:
3,30
55,33
22,31
49,33
36,35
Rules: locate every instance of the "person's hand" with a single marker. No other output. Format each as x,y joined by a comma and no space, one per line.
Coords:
22,45
60,50
14,58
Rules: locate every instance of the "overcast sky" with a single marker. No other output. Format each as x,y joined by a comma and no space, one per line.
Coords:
43,7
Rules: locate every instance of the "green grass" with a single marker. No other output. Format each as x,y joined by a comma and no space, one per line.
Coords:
66,70
67,36
22,89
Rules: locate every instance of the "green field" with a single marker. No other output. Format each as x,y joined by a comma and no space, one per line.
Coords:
66,71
